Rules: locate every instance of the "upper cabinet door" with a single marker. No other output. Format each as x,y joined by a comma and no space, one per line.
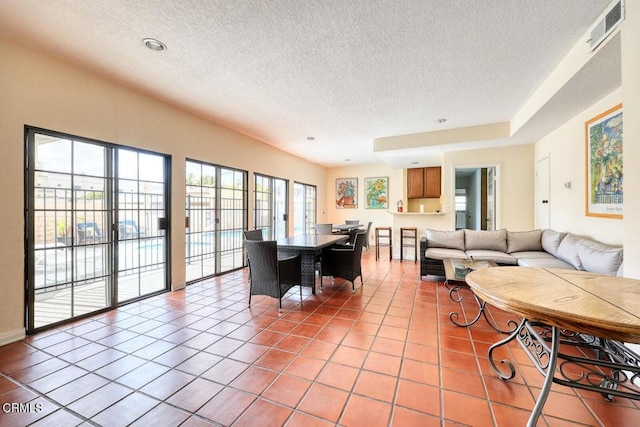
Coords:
432,182
423,183
415,183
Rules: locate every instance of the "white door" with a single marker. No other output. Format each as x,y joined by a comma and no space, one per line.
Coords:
542,204
491,199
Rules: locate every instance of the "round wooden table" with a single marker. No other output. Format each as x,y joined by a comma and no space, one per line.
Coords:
575,308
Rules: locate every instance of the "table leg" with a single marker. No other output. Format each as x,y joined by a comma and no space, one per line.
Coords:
548,381
511,337
482,306
547,359
307,265
612,371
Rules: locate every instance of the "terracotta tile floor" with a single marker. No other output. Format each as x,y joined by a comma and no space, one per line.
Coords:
386,355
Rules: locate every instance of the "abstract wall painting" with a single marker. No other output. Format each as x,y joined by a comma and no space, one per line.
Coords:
376,192
347,193
604,172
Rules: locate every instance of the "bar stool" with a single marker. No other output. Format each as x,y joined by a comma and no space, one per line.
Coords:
409,239
384,238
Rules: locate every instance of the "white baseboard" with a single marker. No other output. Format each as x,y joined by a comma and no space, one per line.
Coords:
11,336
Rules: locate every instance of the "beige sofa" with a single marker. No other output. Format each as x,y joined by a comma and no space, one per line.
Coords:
534,248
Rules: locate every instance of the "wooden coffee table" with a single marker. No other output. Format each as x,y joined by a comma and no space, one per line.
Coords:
456,271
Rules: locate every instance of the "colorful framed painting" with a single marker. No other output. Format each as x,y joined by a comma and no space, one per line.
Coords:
347,193
376,191
604,172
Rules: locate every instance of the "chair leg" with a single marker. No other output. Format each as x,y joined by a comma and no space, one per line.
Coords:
249,298
353,283
300,293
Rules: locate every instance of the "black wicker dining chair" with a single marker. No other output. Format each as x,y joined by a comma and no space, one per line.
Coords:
366,238
345,260
252,235
269,275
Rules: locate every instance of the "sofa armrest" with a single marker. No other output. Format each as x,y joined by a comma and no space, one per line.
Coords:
428,266
423,247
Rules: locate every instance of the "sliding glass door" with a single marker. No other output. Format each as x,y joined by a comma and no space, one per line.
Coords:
216,216
88,210
304,208
271,206
142,223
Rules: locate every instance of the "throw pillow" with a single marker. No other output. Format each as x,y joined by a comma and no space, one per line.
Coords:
520,241
445,239
569,250
488,240
551,241
600,258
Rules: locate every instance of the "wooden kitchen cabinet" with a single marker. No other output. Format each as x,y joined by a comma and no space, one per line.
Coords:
423,183
432,182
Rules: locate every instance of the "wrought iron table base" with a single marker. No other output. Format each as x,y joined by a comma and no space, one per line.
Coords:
453,316
614,372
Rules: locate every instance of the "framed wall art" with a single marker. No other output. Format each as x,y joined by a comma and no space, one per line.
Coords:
347,193
604,172
376,192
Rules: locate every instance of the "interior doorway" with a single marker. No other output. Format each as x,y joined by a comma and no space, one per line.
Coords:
476,197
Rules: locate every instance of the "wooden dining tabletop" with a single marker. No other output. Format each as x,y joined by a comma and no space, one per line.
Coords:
603,306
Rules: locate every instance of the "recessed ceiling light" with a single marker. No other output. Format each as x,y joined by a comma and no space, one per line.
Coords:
415,163
347,160
439,121
310,138
154,44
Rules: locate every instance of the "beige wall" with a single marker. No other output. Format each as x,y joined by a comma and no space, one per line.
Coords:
631,114
379,217
565,147
516,166
38,91
566,150
515,189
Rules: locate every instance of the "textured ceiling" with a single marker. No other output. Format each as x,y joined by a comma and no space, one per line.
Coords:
342,71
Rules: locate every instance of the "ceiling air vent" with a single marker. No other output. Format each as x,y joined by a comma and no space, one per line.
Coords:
607,23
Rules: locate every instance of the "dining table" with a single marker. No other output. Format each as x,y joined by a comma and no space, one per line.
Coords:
575,327
309,247
345,228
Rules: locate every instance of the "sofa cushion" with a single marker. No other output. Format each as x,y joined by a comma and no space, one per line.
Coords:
599,257
442,253
569,250
483,239
445,239
519,241
545,263
551,240
620,272
532,255
489,255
